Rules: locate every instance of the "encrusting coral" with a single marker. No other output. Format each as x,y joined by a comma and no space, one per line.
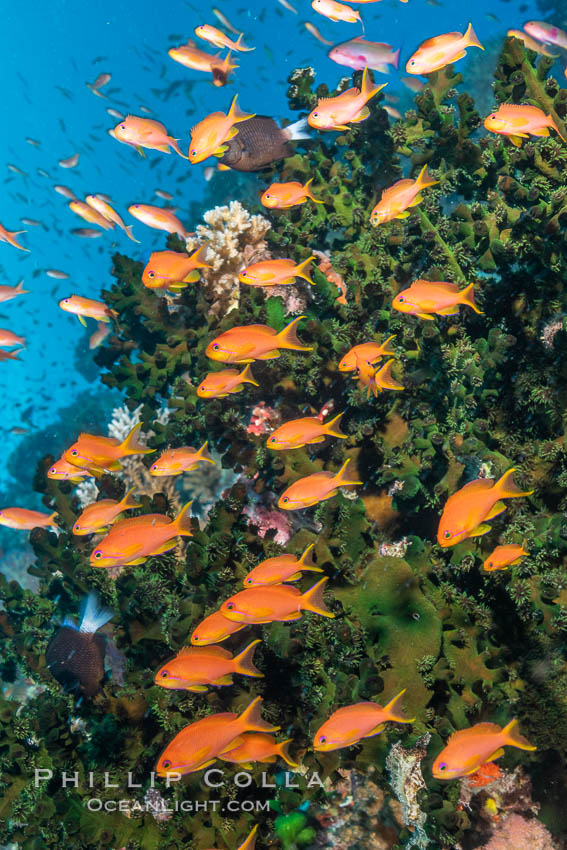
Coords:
483,394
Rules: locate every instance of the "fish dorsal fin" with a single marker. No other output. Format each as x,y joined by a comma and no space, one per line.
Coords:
478,729
446,287
512,110
216,651
479,484
401,184
438,40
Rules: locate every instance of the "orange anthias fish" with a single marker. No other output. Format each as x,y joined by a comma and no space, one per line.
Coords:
441,50
219,39
370,351
214,629
376,379
98,516
62,470
468,510
24,520
304,432
260,747
98,337
9,292
208,137
190,56
396,200
199,744
276,273
349,725
226,382
132,541
196,667
335,113
9,236
159,218
335,11
315,488
247,343
173,270
9,338
146,133
281,568
531,43
182,459
275,603
85,307
89,214
109,213
470,748
504,556
103,454
283,196
427,299
520,122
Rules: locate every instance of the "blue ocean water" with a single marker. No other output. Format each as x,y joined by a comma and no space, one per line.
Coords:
49,53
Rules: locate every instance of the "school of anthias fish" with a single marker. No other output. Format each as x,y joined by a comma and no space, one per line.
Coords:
241,141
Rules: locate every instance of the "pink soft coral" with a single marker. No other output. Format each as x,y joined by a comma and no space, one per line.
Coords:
263,419
266,520
519,833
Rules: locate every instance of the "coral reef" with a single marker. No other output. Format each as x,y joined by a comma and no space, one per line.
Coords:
483,393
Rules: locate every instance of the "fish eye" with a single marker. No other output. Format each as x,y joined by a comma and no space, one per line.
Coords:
322,739
123,126
248,581
443,766
315,114
272,439
164,674
193,153
446,534
195,637
230,606
216,347
52,471
151,274
401,300
285,499
77,526
166,764
98,554
490,563
412,61
74,453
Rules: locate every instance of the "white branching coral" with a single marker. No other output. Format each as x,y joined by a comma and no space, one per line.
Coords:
406,780
233,238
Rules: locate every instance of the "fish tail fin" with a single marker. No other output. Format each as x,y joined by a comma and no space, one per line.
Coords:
312,599
53,515
244,661
129,501
19,288
555,127
513,737
93,614
196,258
282,749
386,346
287,338
251,719
309,193
250,842
129,234
132,446
396,58
305,561
236,113
332,427
394,711
385,379
239,46
183,521
367,87
507,488
296,131
247,377
467,297
524,550
342,479
301,270
203,453
173,143
471,38
424,179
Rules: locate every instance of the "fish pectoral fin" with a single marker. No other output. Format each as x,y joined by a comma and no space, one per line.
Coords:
197,689
224,680
82,321
425,316
516,141
269,355
206,764
220,151
496,755
316,440
480,530
193,275
136,562
286,281
403,215
495,510
449,311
